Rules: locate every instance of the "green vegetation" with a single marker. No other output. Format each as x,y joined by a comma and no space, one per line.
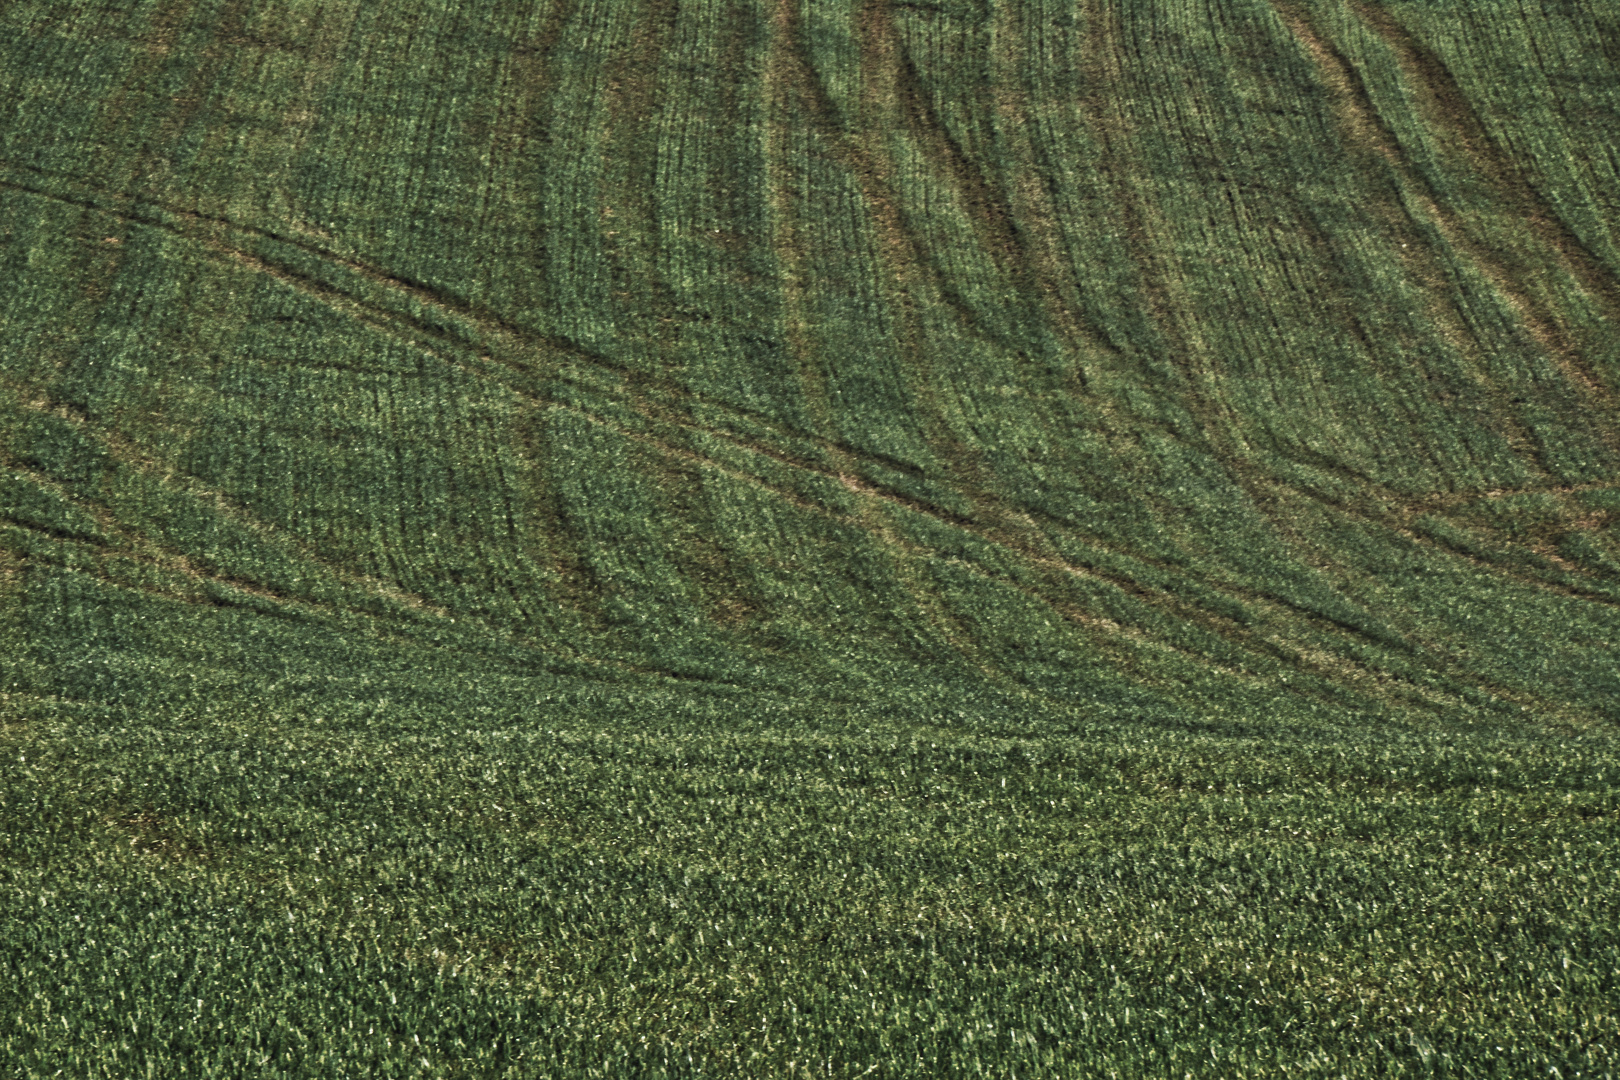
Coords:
840,538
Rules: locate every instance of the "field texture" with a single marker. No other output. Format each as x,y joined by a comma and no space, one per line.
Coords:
815,538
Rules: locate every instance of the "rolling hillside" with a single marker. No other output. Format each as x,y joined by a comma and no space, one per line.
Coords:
701,451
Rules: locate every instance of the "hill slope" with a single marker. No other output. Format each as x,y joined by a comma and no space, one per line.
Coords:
1252,365
1244,373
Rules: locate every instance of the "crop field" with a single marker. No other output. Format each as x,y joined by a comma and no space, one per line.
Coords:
810,538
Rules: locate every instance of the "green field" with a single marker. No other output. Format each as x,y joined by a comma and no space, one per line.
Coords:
810,538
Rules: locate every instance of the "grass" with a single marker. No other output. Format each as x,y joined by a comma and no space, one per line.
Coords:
642,892
856,538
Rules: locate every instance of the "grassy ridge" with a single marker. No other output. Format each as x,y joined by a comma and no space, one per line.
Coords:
1187,435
